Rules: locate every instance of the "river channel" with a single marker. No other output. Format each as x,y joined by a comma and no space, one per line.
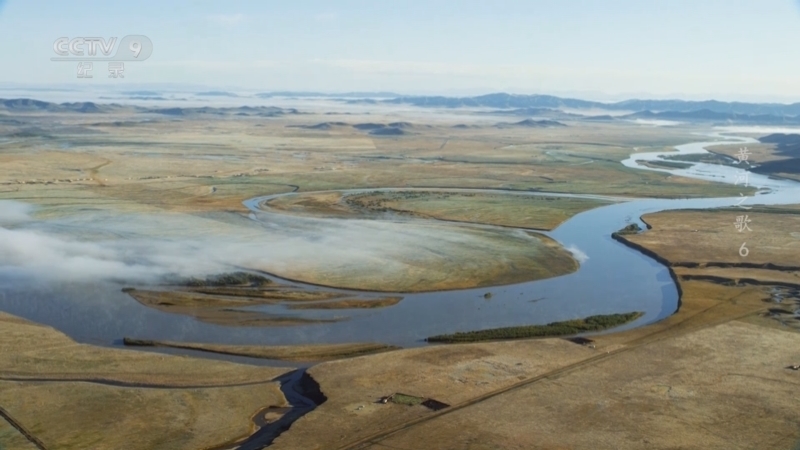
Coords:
612,278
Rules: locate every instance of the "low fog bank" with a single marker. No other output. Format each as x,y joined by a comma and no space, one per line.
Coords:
12,212
578,254
32,249
148,249
28,253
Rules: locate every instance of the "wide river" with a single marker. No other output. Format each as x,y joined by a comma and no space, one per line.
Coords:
612,278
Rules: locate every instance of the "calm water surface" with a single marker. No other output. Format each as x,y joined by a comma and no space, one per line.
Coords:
612,278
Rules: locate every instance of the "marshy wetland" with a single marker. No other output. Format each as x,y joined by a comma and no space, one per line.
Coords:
270,240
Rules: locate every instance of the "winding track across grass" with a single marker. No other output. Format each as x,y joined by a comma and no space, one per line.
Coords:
23,431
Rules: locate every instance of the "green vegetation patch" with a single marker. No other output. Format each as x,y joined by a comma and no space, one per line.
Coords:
403,399
670,164
228,279
633,228
568,327
513,210
708,158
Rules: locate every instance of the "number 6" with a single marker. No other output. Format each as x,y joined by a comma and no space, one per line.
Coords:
743,251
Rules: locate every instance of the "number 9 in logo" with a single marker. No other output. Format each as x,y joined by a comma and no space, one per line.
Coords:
136,48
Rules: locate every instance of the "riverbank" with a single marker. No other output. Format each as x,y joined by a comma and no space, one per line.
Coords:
103,398
313,353
474,206
649,371
186,213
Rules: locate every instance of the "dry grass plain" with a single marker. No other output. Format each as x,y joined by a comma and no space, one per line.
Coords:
320,352
481,257
196,170
450,374
712,236
720,382
11,439
509,210
76,415
495,389
701,246
711,376
76,396
225,306
174,165
720,388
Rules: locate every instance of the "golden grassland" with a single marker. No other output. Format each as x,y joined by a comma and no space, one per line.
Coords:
227,296
741,274
76,415
520,211
695,391
458,374
225,305
37,351
175,168
544,213
450,374
220,310
712,236
315,352
481,257
683,382
702,236
197,171
11,439
685,379
76,396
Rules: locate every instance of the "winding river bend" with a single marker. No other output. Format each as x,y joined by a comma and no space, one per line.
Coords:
612,278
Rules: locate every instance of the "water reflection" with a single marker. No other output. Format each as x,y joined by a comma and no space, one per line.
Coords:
613,278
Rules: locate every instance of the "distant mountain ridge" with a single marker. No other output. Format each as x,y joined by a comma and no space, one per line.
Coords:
530,123
786,145
541,106
328,95
30,105
216,94
507,101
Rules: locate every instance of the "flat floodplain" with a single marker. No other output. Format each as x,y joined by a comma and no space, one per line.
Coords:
724,341
124,399
712,237
437,229
498,208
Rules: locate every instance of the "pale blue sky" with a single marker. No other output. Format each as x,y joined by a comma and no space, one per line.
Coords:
728,49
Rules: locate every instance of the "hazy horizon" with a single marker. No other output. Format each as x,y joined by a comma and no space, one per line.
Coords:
611,51
99,93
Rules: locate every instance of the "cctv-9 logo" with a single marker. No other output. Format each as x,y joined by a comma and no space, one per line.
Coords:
131,48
